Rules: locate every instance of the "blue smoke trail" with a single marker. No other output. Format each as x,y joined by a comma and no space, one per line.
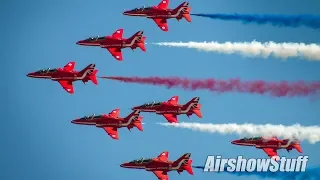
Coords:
309,174
310,21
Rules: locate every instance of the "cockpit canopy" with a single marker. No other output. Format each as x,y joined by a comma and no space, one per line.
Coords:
142,160
153,103
93,116
252,139
142,8
95,38
48,70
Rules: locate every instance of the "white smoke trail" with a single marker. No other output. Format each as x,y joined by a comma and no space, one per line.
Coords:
254,48
309,133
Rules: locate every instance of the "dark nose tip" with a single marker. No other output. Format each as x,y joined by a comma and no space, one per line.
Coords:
73,121
233,142
78,43
121,165
28,75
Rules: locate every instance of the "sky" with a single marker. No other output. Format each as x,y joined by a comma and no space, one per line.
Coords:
38,139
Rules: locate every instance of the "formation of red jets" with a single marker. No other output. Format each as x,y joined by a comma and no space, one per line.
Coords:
159,14
170,109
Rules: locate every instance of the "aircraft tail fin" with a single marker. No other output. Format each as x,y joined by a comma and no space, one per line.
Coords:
293,143
93,77
188,167
184,163
184,10
89,73
193,107
297,147
133,116
89,69
141,44
138,123
197,110
138,41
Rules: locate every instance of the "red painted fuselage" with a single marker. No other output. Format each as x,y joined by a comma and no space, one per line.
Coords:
161,13
270,145
112,122
116,42
160,165
171,109
67,75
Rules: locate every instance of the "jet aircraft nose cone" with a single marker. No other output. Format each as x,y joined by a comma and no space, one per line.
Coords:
126,13
121,165
78,42
233,142
74,121
30,75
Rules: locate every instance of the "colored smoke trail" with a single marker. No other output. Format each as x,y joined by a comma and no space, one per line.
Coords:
277,89
310,173
308,133
310,21
254,48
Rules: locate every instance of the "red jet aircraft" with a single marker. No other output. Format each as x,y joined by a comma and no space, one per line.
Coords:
161,13
269,145
66,75
111,122
160,165
116,42
171,108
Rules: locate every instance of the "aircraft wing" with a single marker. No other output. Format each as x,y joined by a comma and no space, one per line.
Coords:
161,175
118,34
164,4
162,23
174,100
116,53
67,85
112,132
163,156
270,152
114,113
171,118
69,66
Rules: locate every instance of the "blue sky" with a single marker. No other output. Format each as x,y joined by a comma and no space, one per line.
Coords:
39,142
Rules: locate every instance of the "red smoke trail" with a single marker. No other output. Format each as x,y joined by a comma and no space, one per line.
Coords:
278,89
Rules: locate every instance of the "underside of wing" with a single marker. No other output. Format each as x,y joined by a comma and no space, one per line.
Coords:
116,53
162,23
171,118
67,85
112,132
69,66
270,152
161,175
